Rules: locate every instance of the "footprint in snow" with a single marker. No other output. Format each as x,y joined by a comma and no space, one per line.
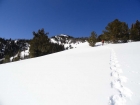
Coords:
113,56
112,64
122,79
111,60
117,65
116,84
119,70
115,75
126,92
113,68
117,100
116,61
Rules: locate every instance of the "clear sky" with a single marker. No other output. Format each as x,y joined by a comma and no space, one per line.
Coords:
78,18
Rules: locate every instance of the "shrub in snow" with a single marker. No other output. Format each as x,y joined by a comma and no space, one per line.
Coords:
7,59
92,39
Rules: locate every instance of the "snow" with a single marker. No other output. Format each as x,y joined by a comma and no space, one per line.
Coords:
68,43
53,41
25,53
22,55
11,58
73,45
128,59
101,75
63,35
16,41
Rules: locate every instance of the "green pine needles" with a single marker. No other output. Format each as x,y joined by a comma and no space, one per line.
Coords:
92,39
41,45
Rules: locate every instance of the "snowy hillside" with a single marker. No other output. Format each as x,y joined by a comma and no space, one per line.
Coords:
68,41
13,50
101,75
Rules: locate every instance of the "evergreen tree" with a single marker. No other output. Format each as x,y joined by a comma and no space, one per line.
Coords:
101,37
7,59
92,39
124,33
56,48
40,44
116,30
135,31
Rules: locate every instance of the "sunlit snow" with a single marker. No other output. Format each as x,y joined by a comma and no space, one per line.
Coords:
101,75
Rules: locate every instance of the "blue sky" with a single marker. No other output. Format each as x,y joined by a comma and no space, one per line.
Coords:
78,18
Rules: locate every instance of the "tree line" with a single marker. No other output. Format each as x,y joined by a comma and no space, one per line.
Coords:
117,31
40,45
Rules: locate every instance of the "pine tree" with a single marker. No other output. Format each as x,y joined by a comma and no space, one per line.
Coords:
116,30
135,31
92,39
40,44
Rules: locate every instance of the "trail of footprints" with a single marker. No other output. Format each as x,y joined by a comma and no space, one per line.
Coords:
118,82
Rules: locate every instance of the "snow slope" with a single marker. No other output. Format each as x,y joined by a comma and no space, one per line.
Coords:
69,42
102,75
127,59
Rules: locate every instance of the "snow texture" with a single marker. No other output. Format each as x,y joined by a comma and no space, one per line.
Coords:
101,75
117,82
